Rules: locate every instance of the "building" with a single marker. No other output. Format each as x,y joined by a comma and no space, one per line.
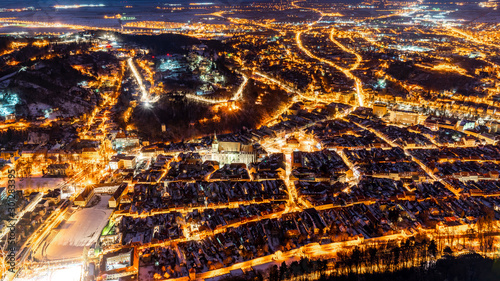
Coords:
296,159
228,152
295,108
465,125
124,262
27,153
106,188
90,153
404,117
121,161
293,143
114,163
122,142
151,151
379,109
494,127
10,118
84,197
58,170
9,154
129,162
192,273
434,123
53,196
114,201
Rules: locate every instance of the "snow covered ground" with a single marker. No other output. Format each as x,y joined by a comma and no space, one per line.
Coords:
80,230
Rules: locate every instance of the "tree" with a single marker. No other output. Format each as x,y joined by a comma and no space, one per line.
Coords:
356,258
396,251
304,264
283,271
373,256
432,249
274,274
259,276
448,251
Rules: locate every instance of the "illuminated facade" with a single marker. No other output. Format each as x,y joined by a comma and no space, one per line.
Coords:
124,262
228,152
404,117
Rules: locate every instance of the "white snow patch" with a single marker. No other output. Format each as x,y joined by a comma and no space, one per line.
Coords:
81,230
38,108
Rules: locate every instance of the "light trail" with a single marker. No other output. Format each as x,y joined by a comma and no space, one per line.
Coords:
28,208
229,205
370,40
347,73
282,85
469,37
15,126
347,50
34,241
446,68
35,24
144,92
292,90
238,95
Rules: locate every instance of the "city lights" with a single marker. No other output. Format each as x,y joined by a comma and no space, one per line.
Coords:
190,141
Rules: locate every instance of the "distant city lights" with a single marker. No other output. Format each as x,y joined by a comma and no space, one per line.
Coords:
76,6
201,4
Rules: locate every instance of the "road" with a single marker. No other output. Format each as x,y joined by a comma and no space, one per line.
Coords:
145,97
238,94
357,82
347,72
36,239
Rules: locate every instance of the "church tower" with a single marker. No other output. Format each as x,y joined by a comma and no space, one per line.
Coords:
215,144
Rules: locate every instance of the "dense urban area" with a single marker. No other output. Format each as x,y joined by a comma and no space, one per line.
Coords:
271,140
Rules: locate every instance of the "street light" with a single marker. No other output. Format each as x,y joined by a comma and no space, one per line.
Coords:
147,105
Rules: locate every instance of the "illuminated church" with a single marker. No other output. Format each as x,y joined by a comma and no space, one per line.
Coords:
227,152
